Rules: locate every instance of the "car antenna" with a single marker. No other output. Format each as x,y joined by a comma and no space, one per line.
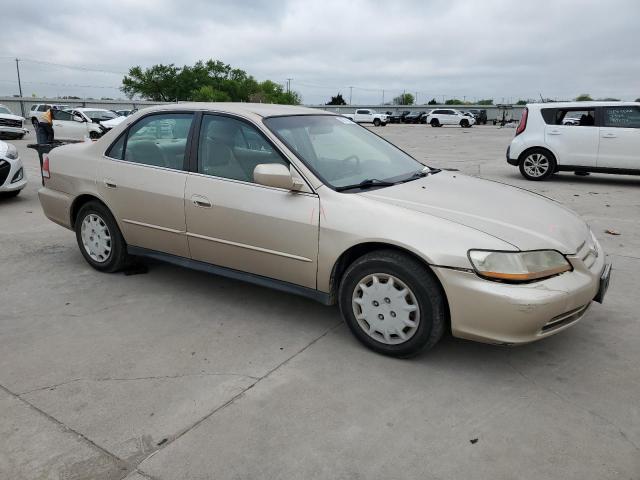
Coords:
541,99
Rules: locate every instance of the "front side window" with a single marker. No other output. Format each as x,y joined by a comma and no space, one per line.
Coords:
622,117
341,152
230,148
100,115
158,140
62,115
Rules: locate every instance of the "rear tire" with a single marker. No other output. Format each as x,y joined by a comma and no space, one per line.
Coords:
99,238
34,122
382,317
537,164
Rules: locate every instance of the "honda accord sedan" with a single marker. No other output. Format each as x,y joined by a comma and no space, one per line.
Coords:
311,203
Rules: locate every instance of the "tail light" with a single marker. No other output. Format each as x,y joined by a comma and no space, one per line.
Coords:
45,167
523,121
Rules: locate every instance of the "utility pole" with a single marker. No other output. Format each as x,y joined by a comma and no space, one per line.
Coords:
19,85
383,96
289,84
350,94
415,101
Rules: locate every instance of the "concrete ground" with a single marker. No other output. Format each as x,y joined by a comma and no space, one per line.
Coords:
177,374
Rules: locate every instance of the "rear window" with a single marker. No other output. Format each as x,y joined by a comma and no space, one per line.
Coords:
622,117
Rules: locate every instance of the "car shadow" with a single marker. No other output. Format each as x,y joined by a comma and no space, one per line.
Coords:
592,179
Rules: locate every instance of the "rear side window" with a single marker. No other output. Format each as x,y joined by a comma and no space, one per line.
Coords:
622,117
575,117
156,140
117,149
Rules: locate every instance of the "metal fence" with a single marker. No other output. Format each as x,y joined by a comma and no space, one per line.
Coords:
22,106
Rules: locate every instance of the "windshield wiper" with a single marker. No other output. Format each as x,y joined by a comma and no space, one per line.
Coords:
420,174
368,183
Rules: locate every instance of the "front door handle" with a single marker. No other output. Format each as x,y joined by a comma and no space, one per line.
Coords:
555,132
200,201
110,183
609,135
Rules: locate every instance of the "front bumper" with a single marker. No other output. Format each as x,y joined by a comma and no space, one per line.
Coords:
492,312
14,130
8,179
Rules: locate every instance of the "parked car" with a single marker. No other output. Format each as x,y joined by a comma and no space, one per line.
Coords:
414,117
365,115
310,203
398,117
81,123
37,111
440,117
605,140
12,176
11,126
125,113
425,116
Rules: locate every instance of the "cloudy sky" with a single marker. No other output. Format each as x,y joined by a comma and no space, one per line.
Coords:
498,49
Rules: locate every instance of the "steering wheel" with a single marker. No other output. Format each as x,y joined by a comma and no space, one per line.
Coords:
356,167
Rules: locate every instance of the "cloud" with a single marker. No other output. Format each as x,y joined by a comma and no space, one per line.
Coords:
493,48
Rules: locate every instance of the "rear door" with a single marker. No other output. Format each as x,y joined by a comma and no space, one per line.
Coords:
142,179
620,138
575,145
450,117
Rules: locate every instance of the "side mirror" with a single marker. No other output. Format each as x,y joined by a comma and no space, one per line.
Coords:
274,175
78,118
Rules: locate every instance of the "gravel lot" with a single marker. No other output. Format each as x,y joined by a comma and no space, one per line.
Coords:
177,374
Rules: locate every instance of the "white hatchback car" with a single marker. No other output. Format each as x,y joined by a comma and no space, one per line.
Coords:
80,123
605,139
446,116
12,176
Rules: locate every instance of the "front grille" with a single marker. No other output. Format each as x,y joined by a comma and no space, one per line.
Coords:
565,318
5,167
5,122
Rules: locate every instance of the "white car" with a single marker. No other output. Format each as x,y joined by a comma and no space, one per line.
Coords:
605,140
12,176
37,111
10,124
365,115
447,116
82,123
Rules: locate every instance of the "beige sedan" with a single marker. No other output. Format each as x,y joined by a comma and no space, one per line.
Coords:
313,204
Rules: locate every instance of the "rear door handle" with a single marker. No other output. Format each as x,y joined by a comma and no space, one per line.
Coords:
555,132
110,183
609,135
200,201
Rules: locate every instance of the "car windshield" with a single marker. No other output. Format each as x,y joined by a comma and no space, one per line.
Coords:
100,114
5,110
341,152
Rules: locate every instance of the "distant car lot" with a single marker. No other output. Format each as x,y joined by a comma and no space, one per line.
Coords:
163,362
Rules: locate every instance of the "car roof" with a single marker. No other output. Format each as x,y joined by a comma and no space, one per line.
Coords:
89,109
582,104
260,109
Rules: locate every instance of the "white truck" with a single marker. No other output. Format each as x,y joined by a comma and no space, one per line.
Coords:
365,115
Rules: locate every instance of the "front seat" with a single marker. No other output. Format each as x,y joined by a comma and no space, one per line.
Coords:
217,158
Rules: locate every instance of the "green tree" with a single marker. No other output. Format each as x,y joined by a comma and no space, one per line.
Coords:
486,101
521,102
404,99
585,97
337,100
453,101
207,93
433,101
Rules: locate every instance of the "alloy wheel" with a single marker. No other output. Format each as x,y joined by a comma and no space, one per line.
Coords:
536,165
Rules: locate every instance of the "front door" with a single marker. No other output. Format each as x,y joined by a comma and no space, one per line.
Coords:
575,145
66,128
142,179
620,138
233,222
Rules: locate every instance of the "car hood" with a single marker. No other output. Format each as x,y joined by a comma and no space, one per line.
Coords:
113,122
524,219
10,116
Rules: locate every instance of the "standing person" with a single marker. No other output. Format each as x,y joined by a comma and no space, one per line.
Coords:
45,127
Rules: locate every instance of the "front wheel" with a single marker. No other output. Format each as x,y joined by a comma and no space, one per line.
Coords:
434,122
384,124
464,123
99,238
392,303
376,122
94,135
34,122
537,164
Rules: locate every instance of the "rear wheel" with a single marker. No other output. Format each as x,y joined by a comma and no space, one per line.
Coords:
434,122
392,303
34,122
537,164
99,238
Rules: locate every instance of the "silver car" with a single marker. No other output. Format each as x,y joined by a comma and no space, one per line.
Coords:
311,203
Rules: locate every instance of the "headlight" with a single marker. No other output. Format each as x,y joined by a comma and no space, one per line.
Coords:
518,266
12,151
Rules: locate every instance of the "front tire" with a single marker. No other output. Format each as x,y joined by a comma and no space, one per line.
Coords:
537,164
392,303
34,122
434,122
99,238
376,122
464,123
